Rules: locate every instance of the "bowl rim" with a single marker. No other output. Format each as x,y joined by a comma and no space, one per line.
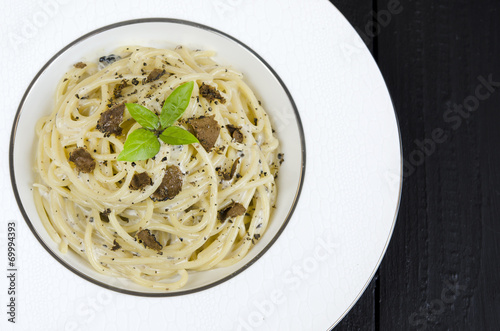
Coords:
157,20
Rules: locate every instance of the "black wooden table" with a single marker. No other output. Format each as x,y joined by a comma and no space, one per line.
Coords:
441,62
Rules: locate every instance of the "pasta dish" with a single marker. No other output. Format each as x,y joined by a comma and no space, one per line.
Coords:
182,208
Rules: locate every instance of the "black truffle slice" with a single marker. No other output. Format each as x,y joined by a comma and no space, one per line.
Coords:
170,186
80,65
235,133
206,129
229,175
116,246
211,93
154,75
148,240
82,159
140,181
117,92
105,215
110,121
233,210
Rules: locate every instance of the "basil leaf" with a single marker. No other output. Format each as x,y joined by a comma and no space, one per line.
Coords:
176,104
174,135
143,116
141,144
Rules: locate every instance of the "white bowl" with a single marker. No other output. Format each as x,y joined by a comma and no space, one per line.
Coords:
161,33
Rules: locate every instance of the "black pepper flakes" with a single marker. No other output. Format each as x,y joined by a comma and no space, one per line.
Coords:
281,157
116,246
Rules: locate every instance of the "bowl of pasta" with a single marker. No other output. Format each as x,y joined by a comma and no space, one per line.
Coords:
157,157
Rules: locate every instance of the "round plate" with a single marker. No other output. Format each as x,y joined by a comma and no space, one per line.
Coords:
333,244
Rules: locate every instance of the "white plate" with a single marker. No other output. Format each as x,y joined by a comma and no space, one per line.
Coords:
338,234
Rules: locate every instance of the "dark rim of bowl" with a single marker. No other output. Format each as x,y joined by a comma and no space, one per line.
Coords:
157,20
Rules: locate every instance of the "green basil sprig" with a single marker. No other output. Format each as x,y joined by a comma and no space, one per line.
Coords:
176,104
143,143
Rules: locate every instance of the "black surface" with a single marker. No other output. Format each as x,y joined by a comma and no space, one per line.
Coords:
442,267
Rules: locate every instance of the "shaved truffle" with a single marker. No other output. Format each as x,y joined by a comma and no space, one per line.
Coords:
105,215
233,210
170,186
139,181
154,75
110,121
117,92
116,246
82,159
235,133
211,93
229,175
206,129
80,65
148,240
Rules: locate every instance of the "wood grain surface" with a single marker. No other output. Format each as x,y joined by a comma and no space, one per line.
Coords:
441,62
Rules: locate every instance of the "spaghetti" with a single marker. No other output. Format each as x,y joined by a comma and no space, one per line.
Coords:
226,193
